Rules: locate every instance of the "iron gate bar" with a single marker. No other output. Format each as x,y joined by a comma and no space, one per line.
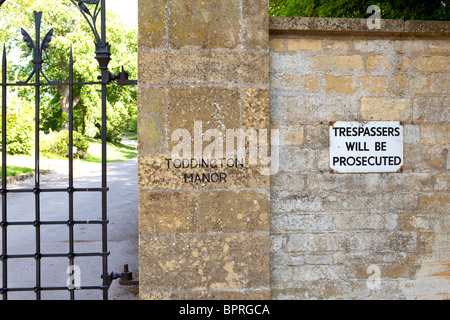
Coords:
53,288
58,255
53,84
70,189
4,182
55,190
103,57
49,223
37,68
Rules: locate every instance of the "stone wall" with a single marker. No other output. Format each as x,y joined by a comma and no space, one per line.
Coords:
302,233
208,62
327,229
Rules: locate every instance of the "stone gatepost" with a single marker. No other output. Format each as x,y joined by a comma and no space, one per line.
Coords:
204,221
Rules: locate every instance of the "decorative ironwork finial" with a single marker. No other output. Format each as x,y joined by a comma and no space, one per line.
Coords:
102,48
34,46
91,17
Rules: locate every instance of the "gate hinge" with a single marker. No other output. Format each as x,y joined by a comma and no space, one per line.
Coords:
126,277
121,77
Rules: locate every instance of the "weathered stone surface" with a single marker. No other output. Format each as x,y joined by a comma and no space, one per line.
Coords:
155,174
327,229
167,213
216,107
435,134
204,229
206,24
411,46
433,64
325,183
424,158
440,83
344,202
378,63
288,182
332,24
207,295
344,25
337,62
438,46
217,67
295,159
202,66
385,109
373,85
431,27
276,45
255,24
213,295
291,135
152,125
302,222
431,110
311,83
154,296
378,47
302,44
152,67
211,240
435,203
427,221
320,109
203,262
151,23
233,211
340,84
149,176
255,109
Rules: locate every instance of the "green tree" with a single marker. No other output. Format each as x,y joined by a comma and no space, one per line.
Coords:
390,9
20,124
72,31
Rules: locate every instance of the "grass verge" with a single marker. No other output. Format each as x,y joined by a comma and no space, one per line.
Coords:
131,135
115,151
12,171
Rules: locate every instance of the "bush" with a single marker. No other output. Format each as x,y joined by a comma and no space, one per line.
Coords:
58,143
19,132
132,125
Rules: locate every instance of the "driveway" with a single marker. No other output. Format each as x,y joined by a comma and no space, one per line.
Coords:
122,231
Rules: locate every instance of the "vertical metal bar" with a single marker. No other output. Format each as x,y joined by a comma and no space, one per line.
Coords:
37,67
104,165
104,195
103,8
4,175
71,218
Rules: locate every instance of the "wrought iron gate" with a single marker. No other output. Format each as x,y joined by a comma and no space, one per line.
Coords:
92,10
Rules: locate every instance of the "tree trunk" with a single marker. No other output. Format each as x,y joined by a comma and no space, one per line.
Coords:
83,130
64,91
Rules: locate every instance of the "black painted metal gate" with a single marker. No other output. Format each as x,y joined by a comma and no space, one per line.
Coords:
93,11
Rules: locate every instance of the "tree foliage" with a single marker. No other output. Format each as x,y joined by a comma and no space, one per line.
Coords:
390,9
58,143
71,32
20,124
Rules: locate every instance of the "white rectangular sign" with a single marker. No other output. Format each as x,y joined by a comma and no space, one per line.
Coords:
366,147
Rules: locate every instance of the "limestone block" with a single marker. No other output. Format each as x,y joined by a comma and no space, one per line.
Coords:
206,24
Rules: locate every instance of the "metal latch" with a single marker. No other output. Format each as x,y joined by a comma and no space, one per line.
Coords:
121,77
126,277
